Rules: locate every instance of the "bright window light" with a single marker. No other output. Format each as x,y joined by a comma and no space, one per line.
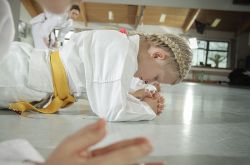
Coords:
193,43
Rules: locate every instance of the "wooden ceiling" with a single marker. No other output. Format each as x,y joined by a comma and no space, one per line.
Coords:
150,15
230,21
97,12
174,16
32,7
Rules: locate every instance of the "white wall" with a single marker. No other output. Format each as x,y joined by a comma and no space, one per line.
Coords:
243,49
212,35
242,46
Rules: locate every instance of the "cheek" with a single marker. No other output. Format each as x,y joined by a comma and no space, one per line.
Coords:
168,79
148,70
149,73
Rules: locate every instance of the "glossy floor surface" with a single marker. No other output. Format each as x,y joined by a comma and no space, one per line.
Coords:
202,124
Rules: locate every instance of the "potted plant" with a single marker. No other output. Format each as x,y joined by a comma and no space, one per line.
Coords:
217,59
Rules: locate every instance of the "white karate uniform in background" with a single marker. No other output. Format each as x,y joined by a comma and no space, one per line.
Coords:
44,26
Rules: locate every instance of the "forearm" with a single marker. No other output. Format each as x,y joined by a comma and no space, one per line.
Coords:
134,110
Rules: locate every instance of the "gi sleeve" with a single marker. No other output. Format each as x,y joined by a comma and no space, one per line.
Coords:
111,102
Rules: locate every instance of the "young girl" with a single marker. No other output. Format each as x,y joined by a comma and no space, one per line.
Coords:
97,65
76,149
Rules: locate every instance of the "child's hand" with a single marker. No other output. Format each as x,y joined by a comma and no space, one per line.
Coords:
161,103
142,93
156,103
157,85
75,150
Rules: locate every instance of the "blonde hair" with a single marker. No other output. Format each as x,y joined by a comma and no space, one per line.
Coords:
177,46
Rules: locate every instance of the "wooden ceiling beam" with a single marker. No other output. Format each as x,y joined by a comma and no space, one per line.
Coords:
139,16
30,8
191,17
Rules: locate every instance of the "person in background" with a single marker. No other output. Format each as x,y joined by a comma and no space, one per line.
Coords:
75,149
45,25
74,12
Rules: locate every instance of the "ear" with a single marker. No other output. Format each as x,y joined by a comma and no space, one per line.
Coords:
158,53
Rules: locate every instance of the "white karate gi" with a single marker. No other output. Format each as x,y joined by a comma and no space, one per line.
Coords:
13,152
100,65
109,61
18,152
7,28
103,66
43,27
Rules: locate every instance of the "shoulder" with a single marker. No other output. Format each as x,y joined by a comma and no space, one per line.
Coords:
37,19
109,35
105,39
105,53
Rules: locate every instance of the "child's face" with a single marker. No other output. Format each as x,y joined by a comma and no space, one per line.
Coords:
153,66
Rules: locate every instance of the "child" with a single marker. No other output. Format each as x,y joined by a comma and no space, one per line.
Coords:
76,149
97,65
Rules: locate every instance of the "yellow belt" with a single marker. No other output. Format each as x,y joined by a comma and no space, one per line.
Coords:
61,97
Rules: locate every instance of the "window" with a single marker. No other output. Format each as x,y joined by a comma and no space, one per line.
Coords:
211,54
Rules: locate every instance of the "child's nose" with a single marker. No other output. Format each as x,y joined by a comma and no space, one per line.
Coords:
148,81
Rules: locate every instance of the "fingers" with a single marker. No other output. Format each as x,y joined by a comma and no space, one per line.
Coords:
123,156
161,99
117,146
149,93
161,105
157,85
159,111
86,137
156,95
